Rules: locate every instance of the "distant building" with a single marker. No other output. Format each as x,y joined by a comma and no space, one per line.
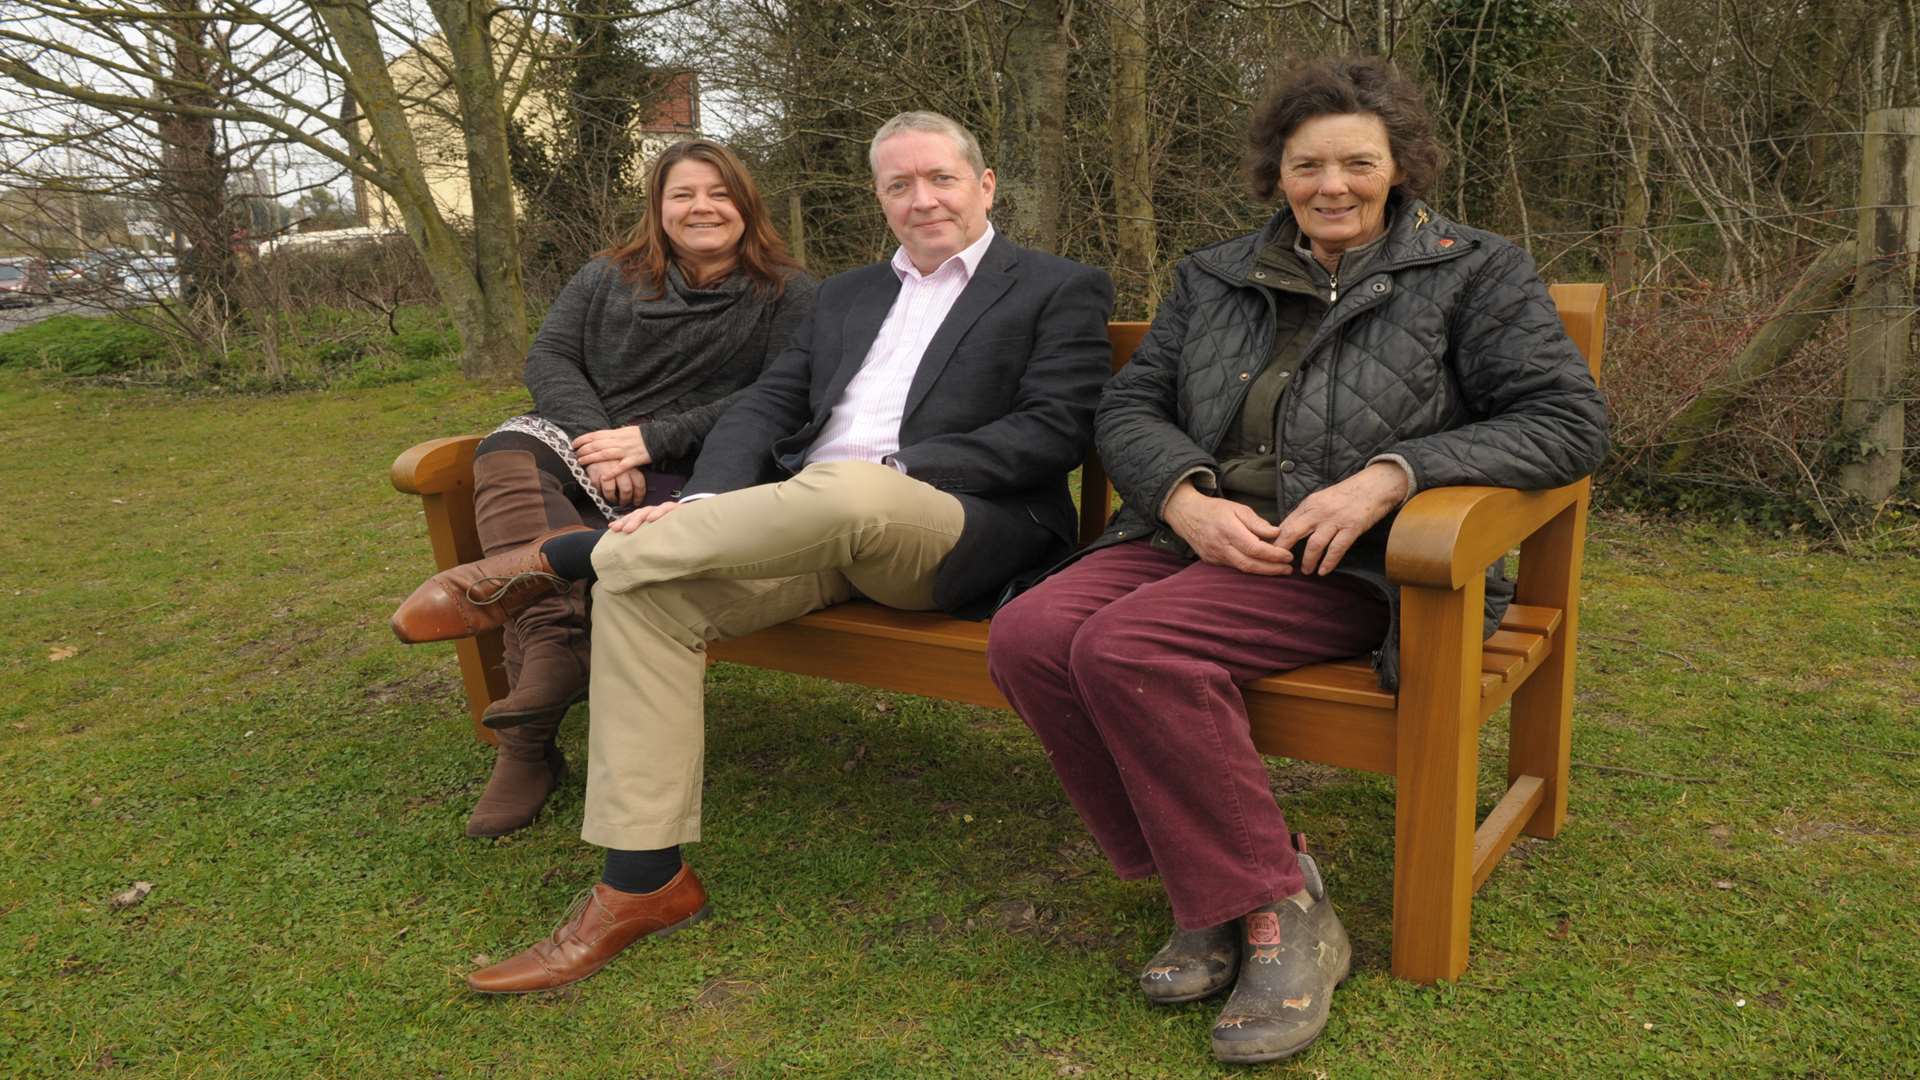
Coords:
443,155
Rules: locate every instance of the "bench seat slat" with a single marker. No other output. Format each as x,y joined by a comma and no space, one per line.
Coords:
876,646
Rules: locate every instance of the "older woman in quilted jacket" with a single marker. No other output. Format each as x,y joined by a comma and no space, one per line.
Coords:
1299,385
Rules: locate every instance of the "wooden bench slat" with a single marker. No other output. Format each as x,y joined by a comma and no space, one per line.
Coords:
1531,619
1511,642
816,645
1495,835
1346,682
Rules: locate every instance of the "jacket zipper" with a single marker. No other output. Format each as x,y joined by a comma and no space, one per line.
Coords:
1328,329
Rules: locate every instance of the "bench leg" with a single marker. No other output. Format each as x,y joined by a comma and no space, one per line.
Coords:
1437,754
483,673
1540,739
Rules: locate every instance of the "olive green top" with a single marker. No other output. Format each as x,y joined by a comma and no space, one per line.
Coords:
1302,292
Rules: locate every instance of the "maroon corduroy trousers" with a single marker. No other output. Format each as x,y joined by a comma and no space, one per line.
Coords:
1128,666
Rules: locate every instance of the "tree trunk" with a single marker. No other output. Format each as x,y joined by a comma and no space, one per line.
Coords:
1806,306
1136,255
1880,322
1034,165
796,227
1633,210
492,326
496,234
194,167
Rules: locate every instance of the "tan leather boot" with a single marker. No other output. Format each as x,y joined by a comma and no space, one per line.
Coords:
516,508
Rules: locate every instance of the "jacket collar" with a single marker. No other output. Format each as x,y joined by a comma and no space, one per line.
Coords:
1415,234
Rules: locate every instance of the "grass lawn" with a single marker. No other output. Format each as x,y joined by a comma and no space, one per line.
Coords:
198,690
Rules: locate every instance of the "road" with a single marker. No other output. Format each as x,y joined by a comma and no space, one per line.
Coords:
13,318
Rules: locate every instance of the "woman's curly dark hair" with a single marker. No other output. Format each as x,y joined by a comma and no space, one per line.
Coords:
1342,87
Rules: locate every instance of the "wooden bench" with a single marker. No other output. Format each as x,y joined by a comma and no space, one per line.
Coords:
1426,737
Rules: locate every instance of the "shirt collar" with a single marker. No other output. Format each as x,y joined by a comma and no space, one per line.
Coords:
968,257
1350,258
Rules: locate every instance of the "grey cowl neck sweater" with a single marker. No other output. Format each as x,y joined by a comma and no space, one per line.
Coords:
605,357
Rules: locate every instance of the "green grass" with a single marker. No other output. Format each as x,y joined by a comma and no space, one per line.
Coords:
197,689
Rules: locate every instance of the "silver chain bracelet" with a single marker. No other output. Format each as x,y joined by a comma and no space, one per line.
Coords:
550,433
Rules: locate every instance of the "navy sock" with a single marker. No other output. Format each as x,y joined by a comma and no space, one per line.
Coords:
571,554
641,871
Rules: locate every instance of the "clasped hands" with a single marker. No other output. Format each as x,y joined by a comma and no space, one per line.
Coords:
1227,533
613,459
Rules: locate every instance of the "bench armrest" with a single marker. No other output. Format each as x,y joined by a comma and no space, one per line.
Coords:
436,466
1445,537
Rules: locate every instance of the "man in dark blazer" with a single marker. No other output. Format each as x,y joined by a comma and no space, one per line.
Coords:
911,446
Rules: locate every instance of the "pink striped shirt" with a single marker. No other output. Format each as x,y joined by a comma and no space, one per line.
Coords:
865,422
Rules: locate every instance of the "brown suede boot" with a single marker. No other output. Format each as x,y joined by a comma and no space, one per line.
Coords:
513,502
527,768
550,639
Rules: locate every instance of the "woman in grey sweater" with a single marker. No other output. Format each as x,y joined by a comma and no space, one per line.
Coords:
638,356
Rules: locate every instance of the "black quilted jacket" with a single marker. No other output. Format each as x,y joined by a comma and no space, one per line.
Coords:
1446,351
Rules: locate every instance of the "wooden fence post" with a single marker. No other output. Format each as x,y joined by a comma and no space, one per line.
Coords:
1880,321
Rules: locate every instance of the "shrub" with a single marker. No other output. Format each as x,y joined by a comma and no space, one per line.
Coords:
1773,462
314,348
83,345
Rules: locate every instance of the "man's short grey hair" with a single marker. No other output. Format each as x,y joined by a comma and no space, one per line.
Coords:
928,121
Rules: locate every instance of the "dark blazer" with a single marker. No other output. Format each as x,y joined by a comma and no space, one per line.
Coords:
1000,410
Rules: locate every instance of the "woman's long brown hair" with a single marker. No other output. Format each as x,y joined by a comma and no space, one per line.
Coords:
642,259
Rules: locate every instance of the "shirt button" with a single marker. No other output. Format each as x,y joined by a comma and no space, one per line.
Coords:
1244,376
1261,274
1286,466
1379,286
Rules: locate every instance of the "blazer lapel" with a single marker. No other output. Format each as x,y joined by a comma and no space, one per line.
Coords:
861,327
988,284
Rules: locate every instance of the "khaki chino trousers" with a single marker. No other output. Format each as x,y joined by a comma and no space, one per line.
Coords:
724,567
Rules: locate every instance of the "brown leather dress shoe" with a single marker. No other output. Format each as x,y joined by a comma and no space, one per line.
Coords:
609,921
476,597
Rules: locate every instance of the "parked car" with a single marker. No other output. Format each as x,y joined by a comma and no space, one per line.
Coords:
152,277
82,274
16,287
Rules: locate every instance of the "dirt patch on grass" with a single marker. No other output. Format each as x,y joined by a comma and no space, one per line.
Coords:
1301,777
1808,832
721,992
1064,1063
417,689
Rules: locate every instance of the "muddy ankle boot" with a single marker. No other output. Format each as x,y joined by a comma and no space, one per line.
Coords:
526,769
1193,964
1294,953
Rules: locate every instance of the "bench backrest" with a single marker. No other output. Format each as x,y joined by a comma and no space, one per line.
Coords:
1581,310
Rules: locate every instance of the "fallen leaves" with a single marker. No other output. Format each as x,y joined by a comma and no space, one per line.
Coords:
63,652
131,897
